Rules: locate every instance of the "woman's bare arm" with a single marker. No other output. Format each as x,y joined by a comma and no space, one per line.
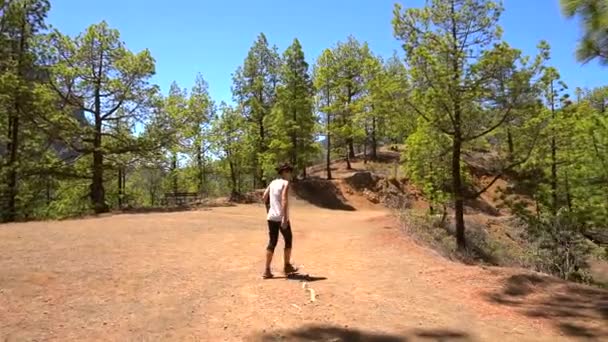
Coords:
266,194
285,203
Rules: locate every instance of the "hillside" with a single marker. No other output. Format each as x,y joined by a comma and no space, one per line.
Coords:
496,237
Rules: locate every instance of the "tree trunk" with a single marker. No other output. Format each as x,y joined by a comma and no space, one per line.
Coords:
374,142
554,197
13,134
174,173
351,147
48,190
120,187
12,148
348,166
568,194
261,183
458,195
457,143
98,195
432,194
201,171
510,143
152,193
233,179
328,154
294,144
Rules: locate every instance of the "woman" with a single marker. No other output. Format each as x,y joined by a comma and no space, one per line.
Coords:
276,198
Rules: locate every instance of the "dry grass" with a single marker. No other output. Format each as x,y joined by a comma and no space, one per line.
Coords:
484,243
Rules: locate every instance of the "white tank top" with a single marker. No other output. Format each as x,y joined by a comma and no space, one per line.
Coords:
275,192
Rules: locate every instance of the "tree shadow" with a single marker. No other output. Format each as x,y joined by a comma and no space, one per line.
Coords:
576,310
482,206
321,193
442,335
172,209
478,248
335,333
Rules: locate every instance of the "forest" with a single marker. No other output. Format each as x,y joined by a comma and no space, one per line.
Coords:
84,130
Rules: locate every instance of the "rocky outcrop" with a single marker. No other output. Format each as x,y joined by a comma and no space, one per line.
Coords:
389,192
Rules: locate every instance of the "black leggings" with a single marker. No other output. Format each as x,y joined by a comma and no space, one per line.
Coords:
273,234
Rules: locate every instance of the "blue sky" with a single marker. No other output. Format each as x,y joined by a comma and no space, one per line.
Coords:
213,37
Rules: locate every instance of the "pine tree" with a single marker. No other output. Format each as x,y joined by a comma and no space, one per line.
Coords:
326,94
201,110
350,59
230,142
20,22
293,119
176,107
97,74
385,113
454,53
553,86
254,89
594,15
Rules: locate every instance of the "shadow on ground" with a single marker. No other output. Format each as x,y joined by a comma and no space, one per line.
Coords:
173,209
300,277
577,311
321,193
335,334
480,205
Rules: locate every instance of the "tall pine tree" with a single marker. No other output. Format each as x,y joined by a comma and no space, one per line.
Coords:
254,89
201,111
293,119
20,22
325,88
97,74
455,54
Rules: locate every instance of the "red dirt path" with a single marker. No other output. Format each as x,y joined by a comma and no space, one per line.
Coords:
195,276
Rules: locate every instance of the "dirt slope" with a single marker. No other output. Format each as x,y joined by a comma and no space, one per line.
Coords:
195,276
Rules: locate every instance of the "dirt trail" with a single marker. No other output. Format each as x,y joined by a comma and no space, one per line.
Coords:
195,276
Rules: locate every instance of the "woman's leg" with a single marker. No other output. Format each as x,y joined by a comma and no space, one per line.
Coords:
273,238
288,237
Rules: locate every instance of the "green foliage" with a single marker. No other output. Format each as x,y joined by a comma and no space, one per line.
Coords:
201,110
255,90
96,74
350,59
561,247
427,162
456,60
594,15
24,146
70,200
233,145
292,121
387,90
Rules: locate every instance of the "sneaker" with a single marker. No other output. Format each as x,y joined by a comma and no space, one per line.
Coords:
267,274
289,269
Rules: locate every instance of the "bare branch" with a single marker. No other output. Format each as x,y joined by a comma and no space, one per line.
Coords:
409,103
113,110
498,124
509,167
